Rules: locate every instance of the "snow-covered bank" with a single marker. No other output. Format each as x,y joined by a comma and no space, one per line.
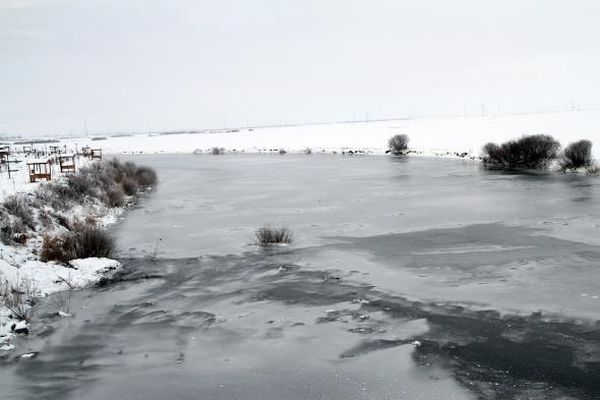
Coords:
52,236
34,279
427,135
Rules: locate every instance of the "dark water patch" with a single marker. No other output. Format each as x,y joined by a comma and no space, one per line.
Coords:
367,346
485,344
516,352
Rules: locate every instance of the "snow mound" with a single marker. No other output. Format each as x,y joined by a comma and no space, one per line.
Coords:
50,277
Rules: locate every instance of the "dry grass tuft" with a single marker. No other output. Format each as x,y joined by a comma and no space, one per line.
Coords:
82,243
273,235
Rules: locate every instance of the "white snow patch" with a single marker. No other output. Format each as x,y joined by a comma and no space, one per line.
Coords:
432,136
21,325
51,277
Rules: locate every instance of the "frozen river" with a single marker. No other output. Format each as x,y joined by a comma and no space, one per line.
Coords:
409,278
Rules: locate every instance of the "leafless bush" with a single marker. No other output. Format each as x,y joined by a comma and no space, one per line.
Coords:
94,242
216,151
273,235
18,299
6,233
576,155
535,151
130,186
115,196
45,217
82,243
6,229
127,168
593,169
12,231
107,182
398,144
146,177
17,205
56,195
63,220
103,182
54,249
307,150
132,177
80,185
493,153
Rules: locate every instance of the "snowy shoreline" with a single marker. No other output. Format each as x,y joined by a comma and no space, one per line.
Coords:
25,275
429,136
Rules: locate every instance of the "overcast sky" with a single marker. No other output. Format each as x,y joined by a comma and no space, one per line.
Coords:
124,65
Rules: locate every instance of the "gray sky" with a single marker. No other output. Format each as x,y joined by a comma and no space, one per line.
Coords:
123,65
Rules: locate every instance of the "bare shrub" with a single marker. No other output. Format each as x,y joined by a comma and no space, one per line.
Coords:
94,242
17,205
75,188
82,243
45,218
216,151
6,232
12,231
593,170
103,182
577,155
100,181
307,150
538,150
398,144
105,176
54,249
493,153
55,194
535,151
63,220
115,196
129,185
146,177
18,298
128,168
80,185
273,235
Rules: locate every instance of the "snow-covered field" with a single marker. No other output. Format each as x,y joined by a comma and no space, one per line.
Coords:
18,182
428,135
